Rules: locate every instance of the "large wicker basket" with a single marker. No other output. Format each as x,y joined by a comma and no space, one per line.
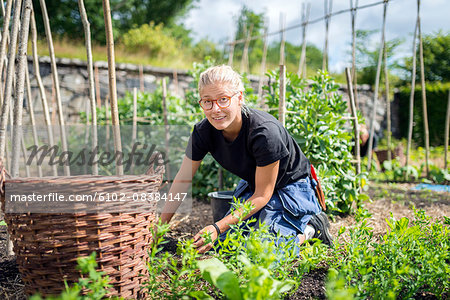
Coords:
48,244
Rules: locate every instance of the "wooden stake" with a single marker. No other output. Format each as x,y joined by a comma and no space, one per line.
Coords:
9,77
51,51
263,68
97,87
388,105
306,9
41,88
166,123
283,37
32,118
244,62
411,97
355,120
87,35
328,4
175,81
112,85
424,94
141,78
282,104
134,129
5,38
447,126
354,10
19,90
231,53
375,94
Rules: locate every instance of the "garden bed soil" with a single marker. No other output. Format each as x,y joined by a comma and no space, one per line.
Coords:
397,199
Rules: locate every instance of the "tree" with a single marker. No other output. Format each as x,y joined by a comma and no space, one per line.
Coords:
367,55
126,14
436,57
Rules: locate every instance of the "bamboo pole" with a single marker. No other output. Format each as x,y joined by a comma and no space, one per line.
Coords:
244,60
41,88
112,85
51,51
354,10
282,104
32,118
411,98
375,94
328,4
141,78
447,126
355,120
90,69
134,129
107,116
388,106
166,123
263,68
231,53
424,93
97,87
283,37
306,9
9,77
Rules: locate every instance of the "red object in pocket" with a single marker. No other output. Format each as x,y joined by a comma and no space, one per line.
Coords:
319,192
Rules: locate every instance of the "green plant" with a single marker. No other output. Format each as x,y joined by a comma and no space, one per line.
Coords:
411,257
2,223
95,286
318,125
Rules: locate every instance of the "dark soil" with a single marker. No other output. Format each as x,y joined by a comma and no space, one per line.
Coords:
388,199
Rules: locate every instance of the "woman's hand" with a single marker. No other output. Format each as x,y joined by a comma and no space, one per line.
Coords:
199,240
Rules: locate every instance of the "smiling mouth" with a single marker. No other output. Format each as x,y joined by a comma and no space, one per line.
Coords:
219,118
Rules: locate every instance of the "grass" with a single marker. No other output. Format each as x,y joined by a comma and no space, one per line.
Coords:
76,49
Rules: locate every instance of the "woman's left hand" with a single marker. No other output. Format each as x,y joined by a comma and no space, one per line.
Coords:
199,241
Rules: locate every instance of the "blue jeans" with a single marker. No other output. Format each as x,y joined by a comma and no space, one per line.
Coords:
288,211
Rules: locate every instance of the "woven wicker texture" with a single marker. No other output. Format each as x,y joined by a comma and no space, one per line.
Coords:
47,245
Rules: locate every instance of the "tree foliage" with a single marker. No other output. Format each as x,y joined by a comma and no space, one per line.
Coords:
65,17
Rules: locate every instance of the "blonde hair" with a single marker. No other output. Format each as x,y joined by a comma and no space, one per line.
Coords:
221,74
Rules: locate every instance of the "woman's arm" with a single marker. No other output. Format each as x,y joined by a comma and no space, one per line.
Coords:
181,184
265,180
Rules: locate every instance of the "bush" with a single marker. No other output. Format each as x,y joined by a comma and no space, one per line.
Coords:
151,38
437,99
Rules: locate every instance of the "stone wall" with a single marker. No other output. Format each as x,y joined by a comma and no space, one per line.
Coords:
73,77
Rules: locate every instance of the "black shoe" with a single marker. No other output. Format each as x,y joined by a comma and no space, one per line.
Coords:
320,224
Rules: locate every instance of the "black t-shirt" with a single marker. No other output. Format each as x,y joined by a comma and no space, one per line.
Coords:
261,141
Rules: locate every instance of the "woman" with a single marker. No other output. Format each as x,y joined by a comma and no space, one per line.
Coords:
253,145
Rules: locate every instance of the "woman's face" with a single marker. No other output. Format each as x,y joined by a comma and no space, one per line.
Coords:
229,118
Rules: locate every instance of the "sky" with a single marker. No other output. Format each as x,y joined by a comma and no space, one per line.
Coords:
216,20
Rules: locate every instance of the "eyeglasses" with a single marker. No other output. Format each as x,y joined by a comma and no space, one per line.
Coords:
222,102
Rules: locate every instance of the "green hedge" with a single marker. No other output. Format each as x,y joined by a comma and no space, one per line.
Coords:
437,98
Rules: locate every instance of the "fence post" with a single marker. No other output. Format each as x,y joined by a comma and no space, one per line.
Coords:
282,104
424,92
51,51
112,85
375,96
